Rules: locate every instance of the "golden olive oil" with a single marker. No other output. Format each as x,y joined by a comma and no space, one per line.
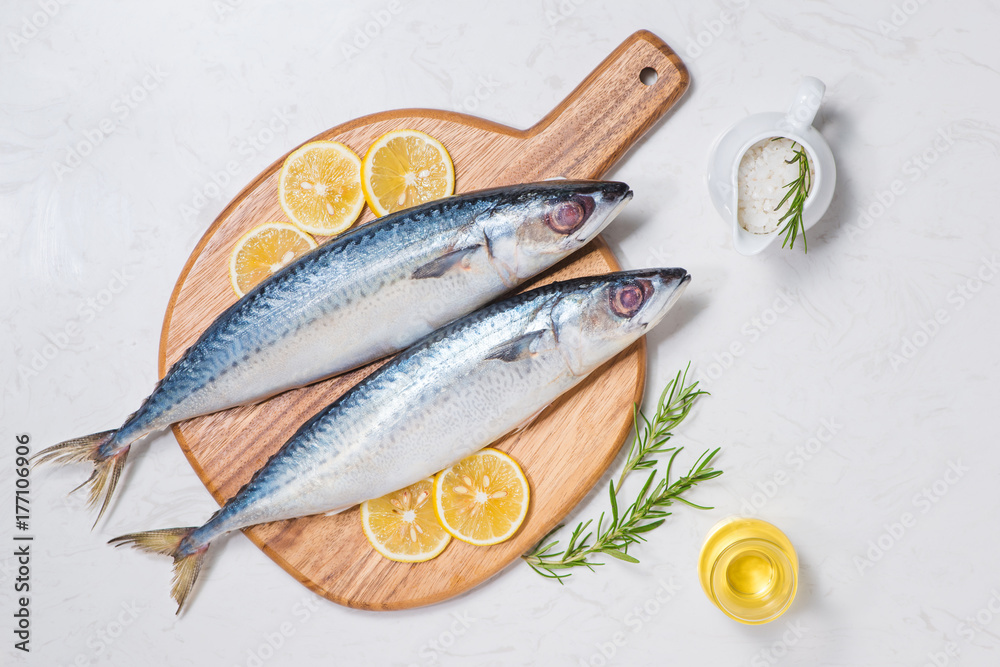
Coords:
749,569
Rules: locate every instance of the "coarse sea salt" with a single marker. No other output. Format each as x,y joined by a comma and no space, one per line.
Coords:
762,176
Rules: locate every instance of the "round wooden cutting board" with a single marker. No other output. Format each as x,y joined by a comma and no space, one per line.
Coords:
563,452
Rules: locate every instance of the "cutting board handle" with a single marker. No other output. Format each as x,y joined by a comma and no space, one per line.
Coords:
612,108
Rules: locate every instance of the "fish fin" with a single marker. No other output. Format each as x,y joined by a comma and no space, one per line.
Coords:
506,273
442,265
76,450
107,469
519,348
187,562
102,482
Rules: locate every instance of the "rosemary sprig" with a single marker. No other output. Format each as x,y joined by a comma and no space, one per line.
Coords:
648,510
798,190
674,404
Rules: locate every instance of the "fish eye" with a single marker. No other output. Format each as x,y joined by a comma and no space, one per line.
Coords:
626,300
566,217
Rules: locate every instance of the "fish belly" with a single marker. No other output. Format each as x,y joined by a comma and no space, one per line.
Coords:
387,439
297,342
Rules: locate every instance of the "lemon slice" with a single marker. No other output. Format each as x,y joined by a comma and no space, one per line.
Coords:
483,498
263,251
320,187
402,525
404,168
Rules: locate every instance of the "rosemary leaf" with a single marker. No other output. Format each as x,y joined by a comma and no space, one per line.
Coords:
648,511
798,191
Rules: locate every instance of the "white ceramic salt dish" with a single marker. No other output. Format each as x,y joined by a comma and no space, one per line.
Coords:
728,150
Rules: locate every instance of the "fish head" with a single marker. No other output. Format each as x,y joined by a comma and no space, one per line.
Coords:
544,222
606,314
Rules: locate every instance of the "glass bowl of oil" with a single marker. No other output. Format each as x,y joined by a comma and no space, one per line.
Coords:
749,569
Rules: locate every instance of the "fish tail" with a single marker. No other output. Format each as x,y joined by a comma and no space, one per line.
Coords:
102,482
170,542
107,469
76,450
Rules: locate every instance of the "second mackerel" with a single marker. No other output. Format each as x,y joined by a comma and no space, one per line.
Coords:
447,396
366,294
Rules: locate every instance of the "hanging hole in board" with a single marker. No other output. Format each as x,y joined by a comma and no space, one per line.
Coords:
648,76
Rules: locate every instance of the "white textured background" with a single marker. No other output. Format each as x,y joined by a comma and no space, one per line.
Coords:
244,81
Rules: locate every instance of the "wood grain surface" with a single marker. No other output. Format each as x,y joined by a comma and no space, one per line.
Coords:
564,452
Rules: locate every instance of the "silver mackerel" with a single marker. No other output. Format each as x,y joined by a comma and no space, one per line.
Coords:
449,395
360,297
